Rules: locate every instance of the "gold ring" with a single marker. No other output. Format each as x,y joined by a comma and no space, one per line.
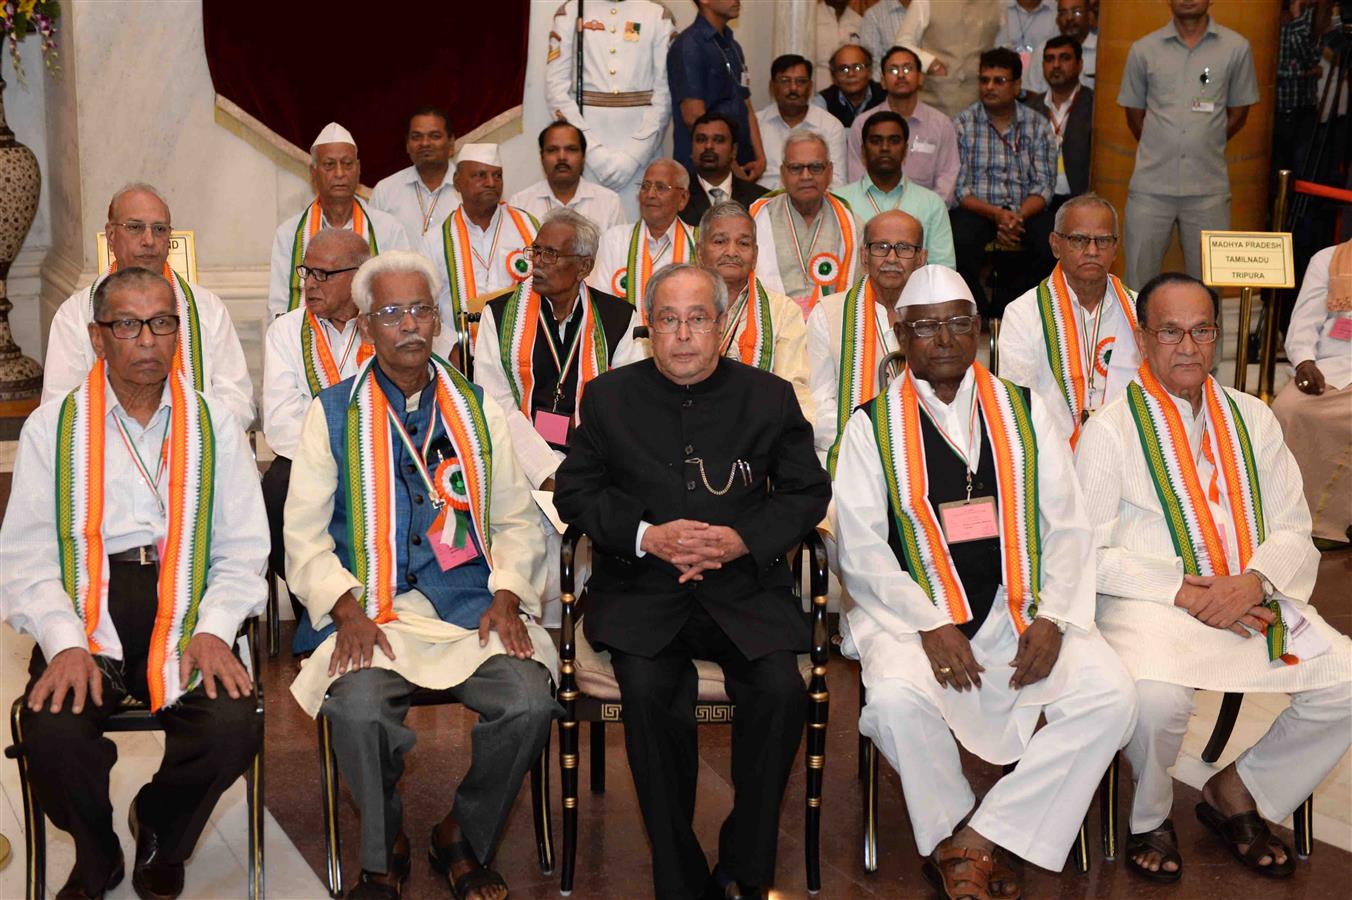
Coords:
945,670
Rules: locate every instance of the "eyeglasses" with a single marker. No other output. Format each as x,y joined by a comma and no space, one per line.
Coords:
321,275
928,328
849,67
900,70
130,329
698,323
660,186
880,249
1078,242
815,168
997,80
158,230
788,81
547,255
390,316
1201,334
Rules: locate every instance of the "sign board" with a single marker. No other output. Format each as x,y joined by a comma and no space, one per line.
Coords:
182,253
1252,259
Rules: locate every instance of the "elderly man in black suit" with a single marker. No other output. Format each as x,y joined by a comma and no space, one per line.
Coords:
713,150
694,475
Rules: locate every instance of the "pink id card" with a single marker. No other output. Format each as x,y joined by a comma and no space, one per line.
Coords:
553,427
968,520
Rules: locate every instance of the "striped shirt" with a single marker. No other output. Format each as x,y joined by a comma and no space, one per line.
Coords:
1005,169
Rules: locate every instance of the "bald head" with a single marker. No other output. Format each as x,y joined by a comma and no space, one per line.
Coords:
340,245
335,254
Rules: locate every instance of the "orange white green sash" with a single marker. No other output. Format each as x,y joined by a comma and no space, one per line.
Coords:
1183,499
631,282
1009,427
322,370
369,480
188,356
517,333
310,222
1062,339
185,554
860,343
825,271
458,253
756,342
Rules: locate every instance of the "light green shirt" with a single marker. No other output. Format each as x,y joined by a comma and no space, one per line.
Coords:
866,201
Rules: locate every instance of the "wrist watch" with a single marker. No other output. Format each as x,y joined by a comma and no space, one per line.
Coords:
1268,589
1056,623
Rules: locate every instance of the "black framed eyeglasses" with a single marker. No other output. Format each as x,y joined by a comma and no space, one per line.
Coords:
928,328
1201,334
1078,242
880,249
130,329
321,275
390,316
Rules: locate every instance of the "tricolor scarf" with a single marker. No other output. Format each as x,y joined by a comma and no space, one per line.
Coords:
516,343
756,343
632,282
189,324
185,555
458,254
321,369
1009,426
1187,511
368,483
826,272
859,345
1061,337
310,222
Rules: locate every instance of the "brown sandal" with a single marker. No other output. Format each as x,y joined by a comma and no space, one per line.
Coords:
1006,870
960,872
1250,829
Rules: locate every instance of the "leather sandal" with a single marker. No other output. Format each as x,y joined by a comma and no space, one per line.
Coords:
444,856
960,873
1248,828
1163,841
1006,870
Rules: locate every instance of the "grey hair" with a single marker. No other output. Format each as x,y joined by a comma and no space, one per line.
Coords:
353,247
682,178
135,276
671,270
586,237
802,135
725,209
314,151
131,188
391,262
1089,198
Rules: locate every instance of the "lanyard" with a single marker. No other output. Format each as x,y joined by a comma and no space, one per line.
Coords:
418,188
1013,129
972,435
1091,348
798,245
141,468
351,342
567,362
492,248
419,458
868,195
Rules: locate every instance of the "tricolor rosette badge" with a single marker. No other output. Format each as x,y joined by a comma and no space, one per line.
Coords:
619,283
824,269
1103,353
518,265
450,484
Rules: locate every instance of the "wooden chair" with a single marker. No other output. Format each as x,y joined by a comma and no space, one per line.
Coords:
329,790
597,701
136,716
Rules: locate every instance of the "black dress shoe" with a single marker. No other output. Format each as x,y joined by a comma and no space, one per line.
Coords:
72,890
152,877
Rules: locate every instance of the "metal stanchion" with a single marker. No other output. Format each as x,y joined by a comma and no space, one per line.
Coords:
995,346
1242,338
1267,357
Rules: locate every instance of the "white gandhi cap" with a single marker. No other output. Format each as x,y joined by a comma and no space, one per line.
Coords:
334,133
480,153
933,284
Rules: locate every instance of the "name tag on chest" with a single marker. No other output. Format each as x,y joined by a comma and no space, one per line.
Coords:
919,146
442,539
1341,330
968,520
1203,106
552,426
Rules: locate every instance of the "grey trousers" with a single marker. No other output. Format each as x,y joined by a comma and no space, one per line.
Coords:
1149,227
367,709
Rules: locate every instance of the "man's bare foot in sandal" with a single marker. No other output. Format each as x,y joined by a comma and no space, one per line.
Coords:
1229,810
962,865
452,856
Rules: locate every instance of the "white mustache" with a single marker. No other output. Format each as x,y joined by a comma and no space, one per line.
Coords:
415,340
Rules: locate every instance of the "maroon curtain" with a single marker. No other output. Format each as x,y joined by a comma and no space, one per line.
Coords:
298,66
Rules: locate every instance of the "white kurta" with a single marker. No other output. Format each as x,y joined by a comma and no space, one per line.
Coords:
225,374
599,204
419,210
612,254
1139,571
1023,352
1036,811
491,272
428,652
774,130
389,236
1310,334
780,267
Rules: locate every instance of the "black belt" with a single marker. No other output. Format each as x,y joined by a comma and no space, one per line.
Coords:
145,555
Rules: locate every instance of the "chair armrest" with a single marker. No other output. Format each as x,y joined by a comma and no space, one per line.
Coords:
568,596
817,580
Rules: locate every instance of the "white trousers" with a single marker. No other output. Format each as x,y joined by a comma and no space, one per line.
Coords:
1034,811
1281,770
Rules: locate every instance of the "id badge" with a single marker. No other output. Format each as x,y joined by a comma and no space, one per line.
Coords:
448,556
1203,106
746,78
968,520
552,426
921,146
1342,329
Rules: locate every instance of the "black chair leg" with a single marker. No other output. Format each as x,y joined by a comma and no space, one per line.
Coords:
274,638
1108,808
1080,851
597,756
1225,723
818,711
1304,826
328,791
869,761
863,741
540,802
568,771
34,820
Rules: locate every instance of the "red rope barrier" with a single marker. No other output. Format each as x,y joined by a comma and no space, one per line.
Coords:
1323,190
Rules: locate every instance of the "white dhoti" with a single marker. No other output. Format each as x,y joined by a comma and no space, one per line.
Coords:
1318,431
1036,810
427,652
